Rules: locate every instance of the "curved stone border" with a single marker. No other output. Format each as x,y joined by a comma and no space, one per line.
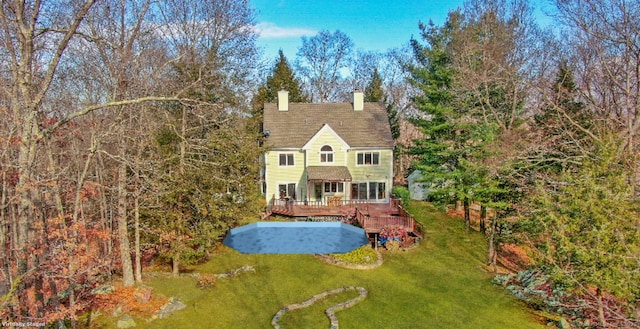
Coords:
330,312
352,266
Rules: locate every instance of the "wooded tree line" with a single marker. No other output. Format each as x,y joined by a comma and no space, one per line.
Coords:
541,125
124,135
133,129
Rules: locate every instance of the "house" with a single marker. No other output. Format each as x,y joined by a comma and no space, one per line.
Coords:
324,152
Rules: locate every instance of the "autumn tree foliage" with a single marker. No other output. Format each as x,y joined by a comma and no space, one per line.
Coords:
84,86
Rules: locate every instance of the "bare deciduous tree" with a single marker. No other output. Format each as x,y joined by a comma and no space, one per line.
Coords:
320,61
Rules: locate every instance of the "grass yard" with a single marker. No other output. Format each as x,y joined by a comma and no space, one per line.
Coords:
440,284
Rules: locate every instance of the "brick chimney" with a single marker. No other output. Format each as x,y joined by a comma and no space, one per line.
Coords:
283,100
358,100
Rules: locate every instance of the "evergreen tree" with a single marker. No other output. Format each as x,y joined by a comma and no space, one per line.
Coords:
565,124
586,229
451,154
204,164
374,92
282,77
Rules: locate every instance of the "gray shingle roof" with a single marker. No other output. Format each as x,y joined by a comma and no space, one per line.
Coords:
293,128
328,173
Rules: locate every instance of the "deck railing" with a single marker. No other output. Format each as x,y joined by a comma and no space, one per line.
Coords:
289,205
418,228
377,223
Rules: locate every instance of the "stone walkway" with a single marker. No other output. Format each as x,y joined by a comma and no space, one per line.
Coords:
330,312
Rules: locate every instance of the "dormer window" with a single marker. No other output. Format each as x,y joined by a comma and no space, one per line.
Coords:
326,154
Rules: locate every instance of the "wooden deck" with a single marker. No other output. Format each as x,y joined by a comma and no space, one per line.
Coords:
371,216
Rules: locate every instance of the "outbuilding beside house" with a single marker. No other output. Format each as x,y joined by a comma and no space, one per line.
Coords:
418,190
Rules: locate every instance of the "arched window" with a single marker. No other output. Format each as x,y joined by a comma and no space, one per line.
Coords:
326,154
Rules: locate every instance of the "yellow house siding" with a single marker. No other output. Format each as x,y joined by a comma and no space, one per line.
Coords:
276,174
371,172
383,172
326,138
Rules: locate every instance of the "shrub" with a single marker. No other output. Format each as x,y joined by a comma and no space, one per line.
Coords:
362,255
401,192
125,299
407,242
392,245
393,232
395,237
206,280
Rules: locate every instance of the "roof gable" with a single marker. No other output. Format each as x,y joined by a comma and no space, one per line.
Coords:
326,129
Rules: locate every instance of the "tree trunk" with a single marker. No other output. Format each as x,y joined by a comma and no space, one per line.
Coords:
601,317
57,195
4,235
467,214
493,253
105,213
483,219
176,264
24,187
125,250
136,209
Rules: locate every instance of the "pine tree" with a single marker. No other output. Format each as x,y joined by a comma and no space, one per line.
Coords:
565,124
282,77
587,228
456,135
374,92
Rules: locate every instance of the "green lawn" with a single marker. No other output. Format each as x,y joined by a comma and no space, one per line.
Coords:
438,285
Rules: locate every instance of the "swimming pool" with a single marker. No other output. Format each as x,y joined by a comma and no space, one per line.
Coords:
296,238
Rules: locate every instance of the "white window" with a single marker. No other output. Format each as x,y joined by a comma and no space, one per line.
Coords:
368,158
326,154
286,159
333,187
369,191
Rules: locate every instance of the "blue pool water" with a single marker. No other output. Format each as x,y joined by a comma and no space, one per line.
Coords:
296,238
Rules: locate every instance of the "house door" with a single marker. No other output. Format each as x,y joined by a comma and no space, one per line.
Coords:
317,187
287,191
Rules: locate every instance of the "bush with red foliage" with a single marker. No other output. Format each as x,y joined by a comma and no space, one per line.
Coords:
128,300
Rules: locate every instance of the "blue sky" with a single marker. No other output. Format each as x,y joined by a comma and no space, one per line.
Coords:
373,25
